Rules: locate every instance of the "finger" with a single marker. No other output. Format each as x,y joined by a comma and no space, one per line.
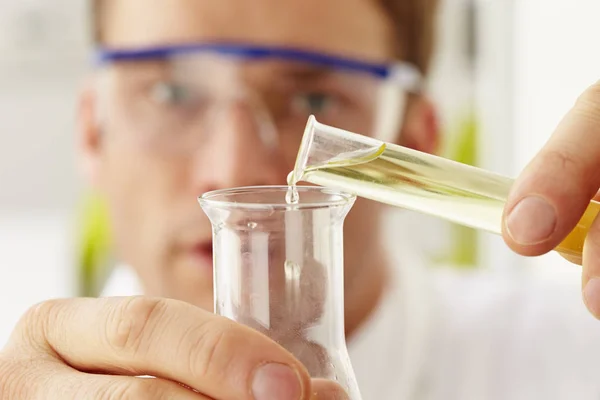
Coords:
328,390
171,340
578,260
591,269
52,380
80,386
554,190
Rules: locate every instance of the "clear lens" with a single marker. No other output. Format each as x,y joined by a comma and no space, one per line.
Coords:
170,103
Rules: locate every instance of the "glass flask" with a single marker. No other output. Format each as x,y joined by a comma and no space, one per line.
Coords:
278,268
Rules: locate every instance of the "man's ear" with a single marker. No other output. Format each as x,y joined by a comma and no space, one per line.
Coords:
88,135
421,126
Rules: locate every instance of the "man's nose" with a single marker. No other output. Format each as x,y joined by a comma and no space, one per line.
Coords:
241,149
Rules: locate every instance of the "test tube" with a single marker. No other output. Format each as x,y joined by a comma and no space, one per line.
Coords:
414,180
278,268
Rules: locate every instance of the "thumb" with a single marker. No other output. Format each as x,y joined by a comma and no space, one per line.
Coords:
552,193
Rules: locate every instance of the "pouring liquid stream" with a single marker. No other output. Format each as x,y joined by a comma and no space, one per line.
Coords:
292,197
432,185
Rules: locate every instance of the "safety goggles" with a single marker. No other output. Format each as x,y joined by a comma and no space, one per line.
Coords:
173,98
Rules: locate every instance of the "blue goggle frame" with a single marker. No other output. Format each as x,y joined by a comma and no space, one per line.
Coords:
106,56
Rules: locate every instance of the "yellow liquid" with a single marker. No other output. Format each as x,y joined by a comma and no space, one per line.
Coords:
436,186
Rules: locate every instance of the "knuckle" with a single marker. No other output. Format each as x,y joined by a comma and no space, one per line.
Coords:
38,312
562,159
31,328
212,349
564,162
567,175
132,319
588,104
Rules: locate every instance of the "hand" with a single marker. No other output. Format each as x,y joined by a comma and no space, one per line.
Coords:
93,349
552,193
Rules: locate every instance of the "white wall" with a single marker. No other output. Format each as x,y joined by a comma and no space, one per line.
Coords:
35,259
42,62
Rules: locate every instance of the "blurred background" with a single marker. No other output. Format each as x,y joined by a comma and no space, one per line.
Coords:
505,72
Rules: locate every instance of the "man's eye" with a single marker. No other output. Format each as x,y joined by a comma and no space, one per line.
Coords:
313,103
171,94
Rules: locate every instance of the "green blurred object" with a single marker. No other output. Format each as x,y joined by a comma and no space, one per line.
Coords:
94,256
462,147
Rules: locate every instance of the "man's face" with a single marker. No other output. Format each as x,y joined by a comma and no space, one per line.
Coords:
160,229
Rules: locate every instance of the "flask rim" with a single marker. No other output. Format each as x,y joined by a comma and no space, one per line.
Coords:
233,198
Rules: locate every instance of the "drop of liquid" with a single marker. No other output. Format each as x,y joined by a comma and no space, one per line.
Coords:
292,196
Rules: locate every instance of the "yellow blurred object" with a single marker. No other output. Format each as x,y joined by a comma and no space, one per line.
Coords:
464,241
94,255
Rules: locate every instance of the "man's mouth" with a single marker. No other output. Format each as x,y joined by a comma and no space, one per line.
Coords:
203,252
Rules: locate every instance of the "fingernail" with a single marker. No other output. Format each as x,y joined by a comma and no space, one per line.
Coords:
591,296
276,382
532,221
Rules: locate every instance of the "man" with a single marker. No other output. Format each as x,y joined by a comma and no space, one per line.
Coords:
171,114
